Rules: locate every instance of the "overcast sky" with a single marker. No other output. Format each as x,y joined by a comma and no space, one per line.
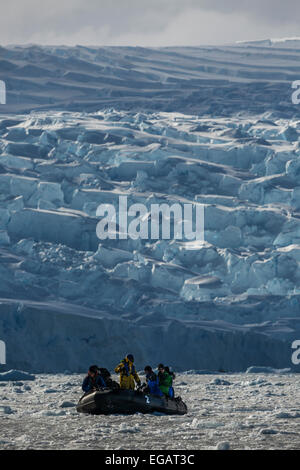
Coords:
146,22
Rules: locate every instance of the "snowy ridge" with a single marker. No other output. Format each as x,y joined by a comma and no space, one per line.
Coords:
237,295
281,42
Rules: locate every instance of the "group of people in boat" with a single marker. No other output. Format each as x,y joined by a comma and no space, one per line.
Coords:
160,384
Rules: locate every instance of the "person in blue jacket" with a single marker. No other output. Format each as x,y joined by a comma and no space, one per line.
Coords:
152,382
93,380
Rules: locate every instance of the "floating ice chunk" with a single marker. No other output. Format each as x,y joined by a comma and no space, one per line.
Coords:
203,424
200,372
223,446
15,375
256,382
286,415
266,370
51,413
67,404
6,410
268,431
218,381
125,428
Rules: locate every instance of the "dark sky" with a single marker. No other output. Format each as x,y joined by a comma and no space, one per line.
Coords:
146,23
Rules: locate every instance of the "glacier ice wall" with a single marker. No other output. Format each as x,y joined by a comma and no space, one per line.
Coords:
212,126
237,294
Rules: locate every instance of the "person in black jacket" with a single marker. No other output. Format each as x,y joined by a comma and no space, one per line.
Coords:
93,380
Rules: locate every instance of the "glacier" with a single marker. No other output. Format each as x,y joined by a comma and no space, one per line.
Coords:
209,126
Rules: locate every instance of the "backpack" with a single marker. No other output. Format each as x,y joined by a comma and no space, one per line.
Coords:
104,372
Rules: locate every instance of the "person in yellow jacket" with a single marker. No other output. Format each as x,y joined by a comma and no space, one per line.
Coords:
128,374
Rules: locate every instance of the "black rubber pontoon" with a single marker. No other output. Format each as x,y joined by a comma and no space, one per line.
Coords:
107,401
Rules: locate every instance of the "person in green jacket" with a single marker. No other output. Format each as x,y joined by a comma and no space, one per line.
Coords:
165,381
